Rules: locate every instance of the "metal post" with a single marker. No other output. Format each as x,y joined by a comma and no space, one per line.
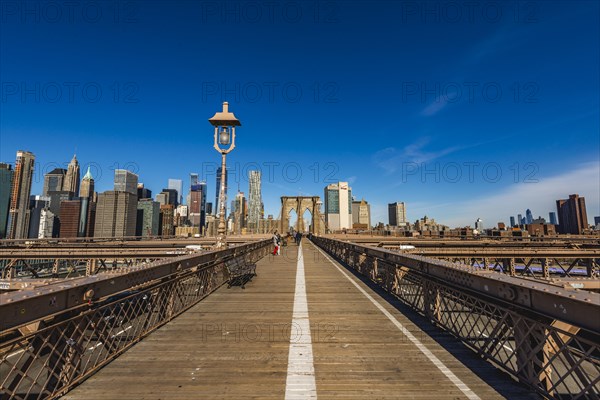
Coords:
222,230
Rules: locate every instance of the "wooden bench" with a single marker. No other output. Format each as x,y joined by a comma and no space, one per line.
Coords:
240,271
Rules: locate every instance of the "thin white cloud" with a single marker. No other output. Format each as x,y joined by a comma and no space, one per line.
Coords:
438,104
540,197
391,159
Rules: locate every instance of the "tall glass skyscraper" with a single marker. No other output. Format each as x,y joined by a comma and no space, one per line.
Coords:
177,184
528,216
255,204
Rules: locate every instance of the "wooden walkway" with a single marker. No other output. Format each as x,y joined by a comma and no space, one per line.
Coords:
235,344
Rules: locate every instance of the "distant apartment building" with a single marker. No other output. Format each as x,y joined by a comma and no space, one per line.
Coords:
397,214
116,214
338,206
361,215
572,215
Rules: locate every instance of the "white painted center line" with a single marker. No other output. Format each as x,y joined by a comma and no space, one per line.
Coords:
300,383
436,361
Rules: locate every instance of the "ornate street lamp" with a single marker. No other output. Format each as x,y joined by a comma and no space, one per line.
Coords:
224,123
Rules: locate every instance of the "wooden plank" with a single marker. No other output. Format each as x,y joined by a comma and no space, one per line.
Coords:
235,344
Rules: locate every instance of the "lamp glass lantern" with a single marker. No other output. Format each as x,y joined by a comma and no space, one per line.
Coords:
224,123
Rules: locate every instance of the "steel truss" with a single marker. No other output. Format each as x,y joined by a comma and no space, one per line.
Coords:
555,350
80,328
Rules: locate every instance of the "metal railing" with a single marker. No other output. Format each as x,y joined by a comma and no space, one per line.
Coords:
546,337
54,337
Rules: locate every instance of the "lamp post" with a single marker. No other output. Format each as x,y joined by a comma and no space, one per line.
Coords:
224,123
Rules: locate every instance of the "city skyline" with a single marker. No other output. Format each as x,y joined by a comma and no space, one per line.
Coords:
123,172
463,118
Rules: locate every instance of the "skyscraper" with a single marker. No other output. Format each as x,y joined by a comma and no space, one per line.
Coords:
193,179
397,213
36,205
87,185
255,203
6,178
125,181
512,221
338,206
148,214
18,217
143,192
197,204
361,214
88,208
46,227
171,196
166,220
116,214
217,209
528,216
519,219
71,183
177,184
70,213
553,219
572,215
479,225
239,212
54,180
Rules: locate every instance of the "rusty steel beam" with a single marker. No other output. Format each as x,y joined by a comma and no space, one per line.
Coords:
570,305
503,253
83,253
18,308
545,336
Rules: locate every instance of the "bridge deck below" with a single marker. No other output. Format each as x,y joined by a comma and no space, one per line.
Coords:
235,344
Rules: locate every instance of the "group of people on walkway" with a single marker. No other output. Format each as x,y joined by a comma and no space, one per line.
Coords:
277,241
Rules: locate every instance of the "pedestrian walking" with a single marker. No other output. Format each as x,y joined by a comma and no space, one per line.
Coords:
276,243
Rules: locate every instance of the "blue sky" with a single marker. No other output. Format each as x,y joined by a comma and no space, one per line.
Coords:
460,110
